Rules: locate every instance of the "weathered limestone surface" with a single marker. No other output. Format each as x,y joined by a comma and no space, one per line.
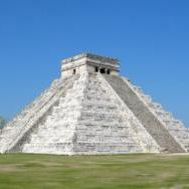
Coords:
55,133
16,130
92,110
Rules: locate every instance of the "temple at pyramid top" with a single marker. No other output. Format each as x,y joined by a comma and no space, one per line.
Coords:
88,62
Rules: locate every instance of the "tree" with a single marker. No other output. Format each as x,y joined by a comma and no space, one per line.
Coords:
2,122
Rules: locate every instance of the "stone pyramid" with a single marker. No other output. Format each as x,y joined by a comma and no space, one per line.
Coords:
93,110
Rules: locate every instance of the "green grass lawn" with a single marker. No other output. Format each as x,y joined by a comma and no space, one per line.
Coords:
21,171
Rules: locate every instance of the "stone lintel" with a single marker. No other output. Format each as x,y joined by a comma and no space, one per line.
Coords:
102,59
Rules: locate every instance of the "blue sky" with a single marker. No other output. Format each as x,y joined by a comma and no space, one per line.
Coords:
151,39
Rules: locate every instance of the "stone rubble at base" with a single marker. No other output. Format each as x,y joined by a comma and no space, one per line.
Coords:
93,110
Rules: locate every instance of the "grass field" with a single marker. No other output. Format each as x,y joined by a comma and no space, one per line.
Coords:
21,171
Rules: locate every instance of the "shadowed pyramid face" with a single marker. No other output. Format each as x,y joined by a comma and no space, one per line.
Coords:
92,110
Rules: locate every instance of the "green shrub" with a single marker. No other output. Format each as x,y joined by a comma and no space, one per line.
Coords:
2,122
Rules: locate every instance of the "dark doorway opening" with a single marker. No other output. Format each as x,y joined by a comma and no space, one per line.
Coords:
108,71
74,71
96,69
102,70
